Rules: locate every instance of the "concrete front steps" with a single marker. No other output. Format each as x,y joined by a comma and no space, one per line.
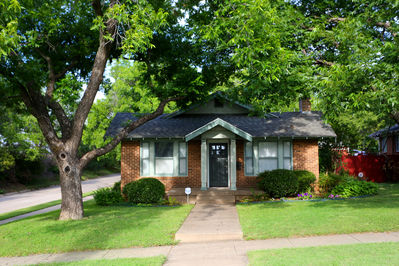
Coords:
212,195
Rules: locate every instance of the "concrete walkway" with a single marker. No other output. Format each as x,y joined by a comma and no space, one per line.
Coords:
207,253
16,201
210,223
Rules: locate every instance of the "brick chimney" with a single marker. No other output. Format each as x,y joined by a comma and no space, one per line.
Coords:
305,105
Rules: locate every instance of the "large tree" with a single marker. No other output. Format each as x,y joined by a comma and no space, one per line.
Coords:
54,43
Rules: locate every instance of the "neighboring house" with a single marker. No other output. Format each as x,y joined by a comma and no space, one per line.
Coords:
388,140
218,144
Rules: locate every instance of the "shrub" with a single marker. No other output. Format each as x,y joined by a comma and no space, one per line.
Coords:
117,187
278,183
305,180
107,196
145,190
329,181
354,188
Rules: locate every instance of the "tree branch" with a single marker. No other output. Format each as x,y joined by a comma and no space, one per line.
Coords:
51,74
336,20
324,62
86,158
97,7
62,118
96,78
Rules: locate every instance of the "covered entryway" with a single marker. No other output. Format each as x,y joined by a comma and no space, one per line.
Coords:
218,165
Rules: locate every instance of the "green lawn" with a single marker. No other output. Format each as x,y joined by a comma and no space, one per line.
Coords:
151,261
289,219
7,215
358,254
102,228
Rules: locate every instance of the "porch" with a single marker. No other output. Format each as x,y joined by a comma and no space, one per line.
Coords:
212,195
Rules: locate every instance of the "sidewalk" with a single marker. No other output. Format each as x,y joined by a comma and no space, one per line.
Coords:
207,253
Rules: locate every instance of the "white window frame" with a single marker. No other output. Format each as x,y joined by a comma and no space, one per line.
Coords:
184,144
268,157
249,156
280,154
152,159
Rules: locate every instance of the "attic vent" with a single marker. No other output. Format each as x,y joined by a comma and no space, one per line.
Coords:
218,103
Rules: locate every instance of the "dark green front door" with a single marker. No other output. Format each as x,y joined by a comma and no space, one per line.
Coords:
218,165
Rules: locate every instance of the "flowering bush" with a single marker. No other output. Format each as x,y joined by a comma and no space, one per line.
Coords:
332,196
305,196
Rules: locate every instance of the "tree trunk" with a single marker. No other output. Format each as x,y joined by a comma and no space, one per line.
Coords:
71,189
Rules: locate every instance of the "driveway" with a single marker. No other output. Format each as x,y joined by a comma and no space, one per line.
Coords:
16,201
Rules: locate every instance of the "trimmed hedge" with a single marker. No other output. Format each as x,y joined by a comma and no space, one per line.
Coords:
354,188
305,180
278,183
107,196
145,190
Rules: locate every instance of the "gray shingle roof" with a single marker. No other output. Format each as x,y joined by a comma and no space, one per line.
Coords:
289,124
385,131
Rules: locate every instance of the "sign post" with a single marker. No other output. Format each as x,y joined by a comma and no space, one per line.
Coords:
187,190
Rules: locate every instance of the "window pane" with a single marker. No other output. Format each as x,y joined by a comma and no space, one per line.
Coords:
249,168
182,150
145,150
163,149
164,166
287,149
182,166
287,164
268,149
267,164
145,167
248,149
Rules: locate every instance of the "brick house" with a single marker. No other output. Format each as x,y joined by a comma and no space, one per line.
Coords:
218,144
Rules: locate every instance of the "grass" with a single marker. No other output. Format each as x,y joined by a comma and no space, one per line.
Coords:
90,174
151,261
102,228
357,254
289,219
7,215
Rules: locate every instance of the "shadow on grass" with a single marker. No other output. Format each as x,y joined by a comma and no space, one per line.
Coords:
102,228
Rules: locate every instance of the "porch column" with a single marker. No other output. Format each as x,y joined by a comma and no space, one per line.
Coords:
233,166
203,164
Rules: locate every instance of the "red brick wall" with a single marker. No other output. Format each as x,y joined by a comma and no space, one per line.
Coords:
130,166
306,156
242,180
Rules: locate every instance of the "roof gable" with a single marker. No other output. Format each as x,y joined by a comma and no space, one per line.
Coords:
215,123
217,103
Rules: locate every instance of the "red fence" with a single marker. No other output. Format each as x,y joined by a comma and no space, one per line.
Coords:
372,166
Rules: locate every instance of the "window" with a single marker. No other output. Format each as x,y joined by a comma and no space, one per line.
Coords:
164,158
266,156
383,147
145,158
249,159
268,159
397,143
287,155
182,158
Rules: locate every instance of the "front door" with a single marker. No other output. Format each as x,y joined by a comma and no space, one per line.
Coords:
218,165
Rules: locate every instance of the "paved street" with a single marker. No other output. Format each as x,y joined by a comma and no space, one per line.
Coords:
18,201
